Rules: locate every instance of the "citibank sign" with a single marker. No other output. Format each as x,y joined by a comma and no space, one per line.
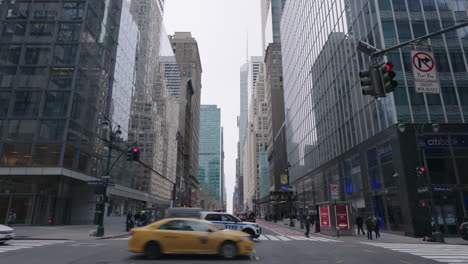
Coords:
456,141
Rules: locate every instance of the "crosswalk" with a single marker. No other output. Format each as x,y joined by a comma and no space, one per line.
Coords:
455,254
25,244
277,238
281,238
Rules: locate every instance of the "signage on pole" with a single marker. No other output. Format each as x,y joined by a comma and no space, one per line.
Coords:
424,72
342,219
284,178
335,191
324,216
111,184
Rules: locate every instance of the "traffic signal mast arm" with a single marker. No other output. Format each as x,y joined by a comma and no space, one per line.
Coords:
416,40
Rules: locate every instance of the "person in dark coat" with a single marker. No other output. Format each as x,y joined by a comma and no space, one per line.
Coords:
129,223
376,227
307,225
370,227
360,224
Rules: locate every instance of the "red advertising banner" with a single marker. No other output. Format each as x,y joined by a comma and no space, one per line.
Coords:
324,216
342,219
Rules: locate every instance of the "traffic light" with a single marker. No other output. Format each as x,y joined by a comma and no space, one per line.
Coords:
420,171
136,154
387,74
133,154
371,82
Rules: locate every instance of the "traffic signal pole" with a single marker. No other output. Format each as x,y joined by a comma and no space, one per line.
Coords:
379,53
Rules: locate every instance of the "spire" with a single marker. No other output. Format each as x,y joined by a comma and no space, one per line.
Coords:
247,46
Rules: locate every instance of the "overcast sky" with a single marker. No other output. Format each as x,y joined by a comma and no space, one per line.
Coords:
220,28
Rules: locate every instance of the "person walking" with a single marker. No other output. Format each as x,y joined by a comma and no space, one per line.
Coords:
307,225
11,218
360,224
137,218
370,227
144,218
129,223
376,227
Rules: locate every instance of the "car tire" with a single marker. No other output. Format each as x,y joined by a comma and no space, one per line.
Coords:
250,232
228,250
152,250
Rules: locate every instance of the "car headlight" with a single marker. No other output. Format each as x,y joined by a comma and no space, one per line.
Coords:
248,238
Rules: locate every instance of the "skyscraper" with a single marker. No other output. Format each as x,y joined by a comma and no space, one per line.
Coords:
211,152
54,99
188,59
371,147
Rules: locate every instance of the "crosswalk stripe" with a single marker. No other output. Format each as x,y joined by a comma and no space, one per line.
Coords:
262,237
298,238
284,238
441,253
272,237
12,245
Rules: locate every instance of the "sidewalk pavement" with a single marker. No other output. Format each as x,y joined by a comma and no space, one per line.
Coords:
69,232
385,237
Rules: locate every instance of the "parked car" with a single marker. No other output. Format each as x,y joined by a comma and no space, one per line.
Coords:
188,236
464,230
6,233
251,217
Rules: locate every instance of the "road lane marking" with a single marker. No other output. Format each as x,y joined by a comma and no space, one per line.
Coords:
272,237
284,238
262,237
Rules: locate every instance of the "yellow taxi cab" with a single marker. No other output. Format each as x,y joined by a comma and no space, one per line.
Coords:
188,236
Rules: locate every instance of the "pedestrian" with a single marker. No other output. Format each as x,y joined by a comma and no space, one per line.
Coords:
129,223
360,224
376,228
307,225
144,218
11,218
370,227
137,218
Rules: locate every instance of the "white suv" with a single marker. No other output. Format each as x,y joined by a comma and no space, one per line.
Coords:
228,221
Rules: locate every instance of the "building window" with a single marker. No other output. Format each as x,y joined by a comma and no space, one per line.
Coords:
9,54
429,5
65,54
36,55
69,32
61,78
56,103
14,29
41,29
52,129
21,129
72,11
18,10
4,102
16,154
47,154
26,103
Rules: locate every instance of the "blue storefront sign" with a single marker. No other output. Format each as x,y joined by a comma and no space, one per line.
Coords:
456,141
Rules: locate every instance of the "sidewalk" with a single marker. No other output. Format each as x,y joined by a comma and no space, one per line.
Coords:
112,228
385,237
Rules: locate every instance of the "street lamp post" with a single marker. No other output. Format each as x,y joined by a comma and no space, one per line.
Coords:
291,223
107,126
439,237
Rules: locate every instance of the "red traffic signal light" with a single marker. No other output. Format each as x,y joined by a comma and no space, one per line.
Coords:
135,150
388,66
422,169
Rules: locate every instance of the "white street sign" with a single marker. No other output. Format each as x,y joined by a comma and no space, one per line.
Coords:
334,189
424,72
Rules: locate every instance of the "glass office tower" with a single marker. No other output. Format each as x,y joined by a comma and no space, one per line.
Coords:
335,135
210,156
58,60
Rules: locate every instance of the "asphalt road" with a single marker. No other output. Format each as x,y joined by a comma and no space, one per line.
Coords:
268,252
